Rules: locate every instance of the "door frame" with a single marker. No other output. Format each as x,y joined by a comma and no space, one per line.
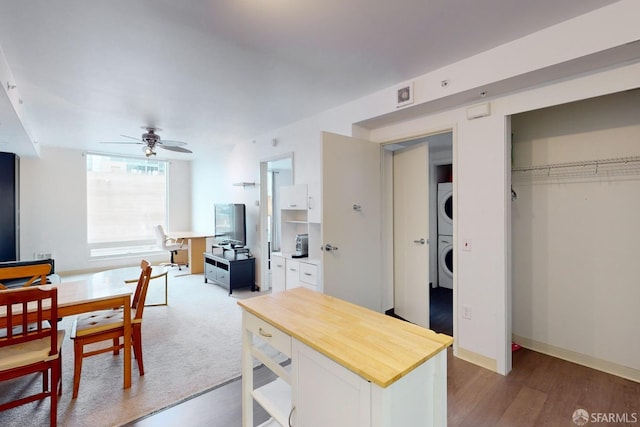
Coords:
387,214
265,282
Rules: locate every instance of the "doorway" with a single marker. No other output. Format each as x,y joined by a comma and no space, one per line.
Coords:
274,173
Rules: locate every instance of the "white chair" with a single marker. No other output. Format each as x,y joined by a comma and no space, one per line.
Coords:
170,245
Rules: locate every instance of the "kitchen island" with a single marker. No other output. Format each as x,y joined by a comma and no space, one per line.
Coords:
350,366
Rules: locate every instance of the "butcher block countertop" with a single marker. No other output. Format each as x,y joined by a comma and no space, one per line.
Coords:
379,348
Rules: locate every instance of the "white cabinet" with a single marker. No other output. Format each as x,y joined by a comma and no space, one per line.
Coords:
288,273
300,213
278,273
292,274
314,210
293,197
327,394
324,393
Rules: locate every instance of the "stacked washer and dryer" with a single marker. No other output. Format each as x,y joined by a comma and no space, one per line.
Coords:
445,235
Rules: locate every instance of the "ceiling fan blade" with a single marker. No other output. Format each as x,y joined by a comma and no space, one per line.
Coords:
175,148
127,136
119,142
172,143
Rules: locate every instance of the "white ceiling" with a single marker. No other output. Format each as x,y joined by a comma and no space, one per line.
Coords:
218,71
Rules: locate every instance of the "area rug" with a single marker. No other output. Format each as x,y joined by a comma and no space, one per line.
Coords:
190,345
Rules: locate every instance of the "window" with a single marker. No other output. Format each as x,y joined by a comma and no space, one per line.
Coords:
126,199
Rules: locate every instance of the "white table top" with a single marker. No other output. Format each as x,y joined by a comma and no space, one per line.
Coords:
126,274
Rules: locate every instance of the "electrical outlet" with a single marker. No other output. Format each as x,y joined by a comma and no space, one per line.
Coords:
466,312
42,255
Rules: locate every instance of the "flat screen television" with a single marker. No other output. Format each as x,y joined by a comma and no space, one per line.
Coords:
230,224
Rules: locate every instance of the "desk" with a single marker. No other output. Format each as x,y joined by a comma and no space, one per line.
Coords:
131,275
84,296
197,246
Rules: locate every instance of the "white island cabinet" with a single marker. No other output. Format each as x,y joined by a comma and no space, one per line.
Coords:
350,366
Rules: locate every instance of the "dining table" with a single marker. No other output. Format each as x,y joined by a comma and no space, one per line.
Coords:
83,296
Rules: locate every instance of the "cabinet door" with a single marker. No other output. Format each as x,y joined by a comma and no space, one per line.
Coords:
327,394
278,276
293,274
293,197
315,204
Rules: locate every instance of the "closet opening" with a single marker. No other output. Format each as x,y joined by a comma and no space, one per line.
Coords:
574,226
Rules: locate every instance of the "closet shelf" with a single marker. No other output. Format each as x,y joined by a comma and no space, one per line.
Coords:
612,166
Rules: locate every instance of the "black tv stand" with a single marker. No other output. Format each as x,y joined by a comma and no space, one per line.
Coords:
229,273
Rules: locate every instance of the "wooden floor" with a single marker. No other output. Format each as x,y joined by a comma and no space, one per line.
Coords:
540,391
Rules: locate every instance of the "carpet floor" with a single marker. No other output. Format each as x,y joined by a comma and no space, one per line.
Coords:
190,345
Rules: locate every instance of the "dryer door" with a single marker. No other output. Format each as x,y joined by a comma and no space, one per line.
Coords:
445,262
445,209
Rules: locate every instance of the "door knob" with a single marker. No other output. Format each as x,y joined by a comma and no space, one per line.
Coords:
329,248
421,241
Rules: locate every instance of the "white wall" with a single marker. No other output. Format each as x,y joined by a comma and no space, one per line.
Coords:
576,271
482,203
53,209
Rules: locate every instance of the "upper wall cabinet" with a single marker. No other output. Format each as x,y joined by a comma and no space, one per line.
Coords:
314,214
293,197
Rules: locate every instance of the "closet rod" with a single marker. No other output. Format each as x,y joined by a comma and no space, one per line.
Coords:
612,161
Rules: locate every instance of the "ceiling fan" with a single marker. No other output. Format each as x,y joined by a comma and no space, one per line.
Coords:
150,139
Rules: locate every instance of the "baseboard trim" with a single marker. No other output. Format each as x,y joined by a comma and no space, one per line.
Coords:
476,359
579,358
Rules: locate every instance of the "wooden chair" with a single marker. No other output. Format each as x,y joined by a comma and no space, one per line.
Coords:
29,345
35,272
108,325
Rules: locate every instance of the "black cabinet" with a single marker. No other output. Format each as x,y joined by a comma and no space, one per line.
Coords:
10,202
229,273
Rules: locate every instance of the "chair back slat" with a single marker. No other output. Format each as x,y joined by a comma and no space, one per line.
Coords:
142,286
26,311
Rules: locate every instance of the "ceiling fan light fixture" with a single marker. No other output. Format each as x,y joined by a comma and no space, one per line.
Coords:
150,140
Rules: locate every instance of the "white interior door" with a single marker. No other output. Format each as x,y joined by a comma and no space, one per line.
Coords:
411,234
351,212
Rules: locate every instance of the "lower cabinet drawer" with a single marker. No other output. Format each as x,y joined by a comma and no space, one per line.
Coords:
269,333
222,276
209,271
308,273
